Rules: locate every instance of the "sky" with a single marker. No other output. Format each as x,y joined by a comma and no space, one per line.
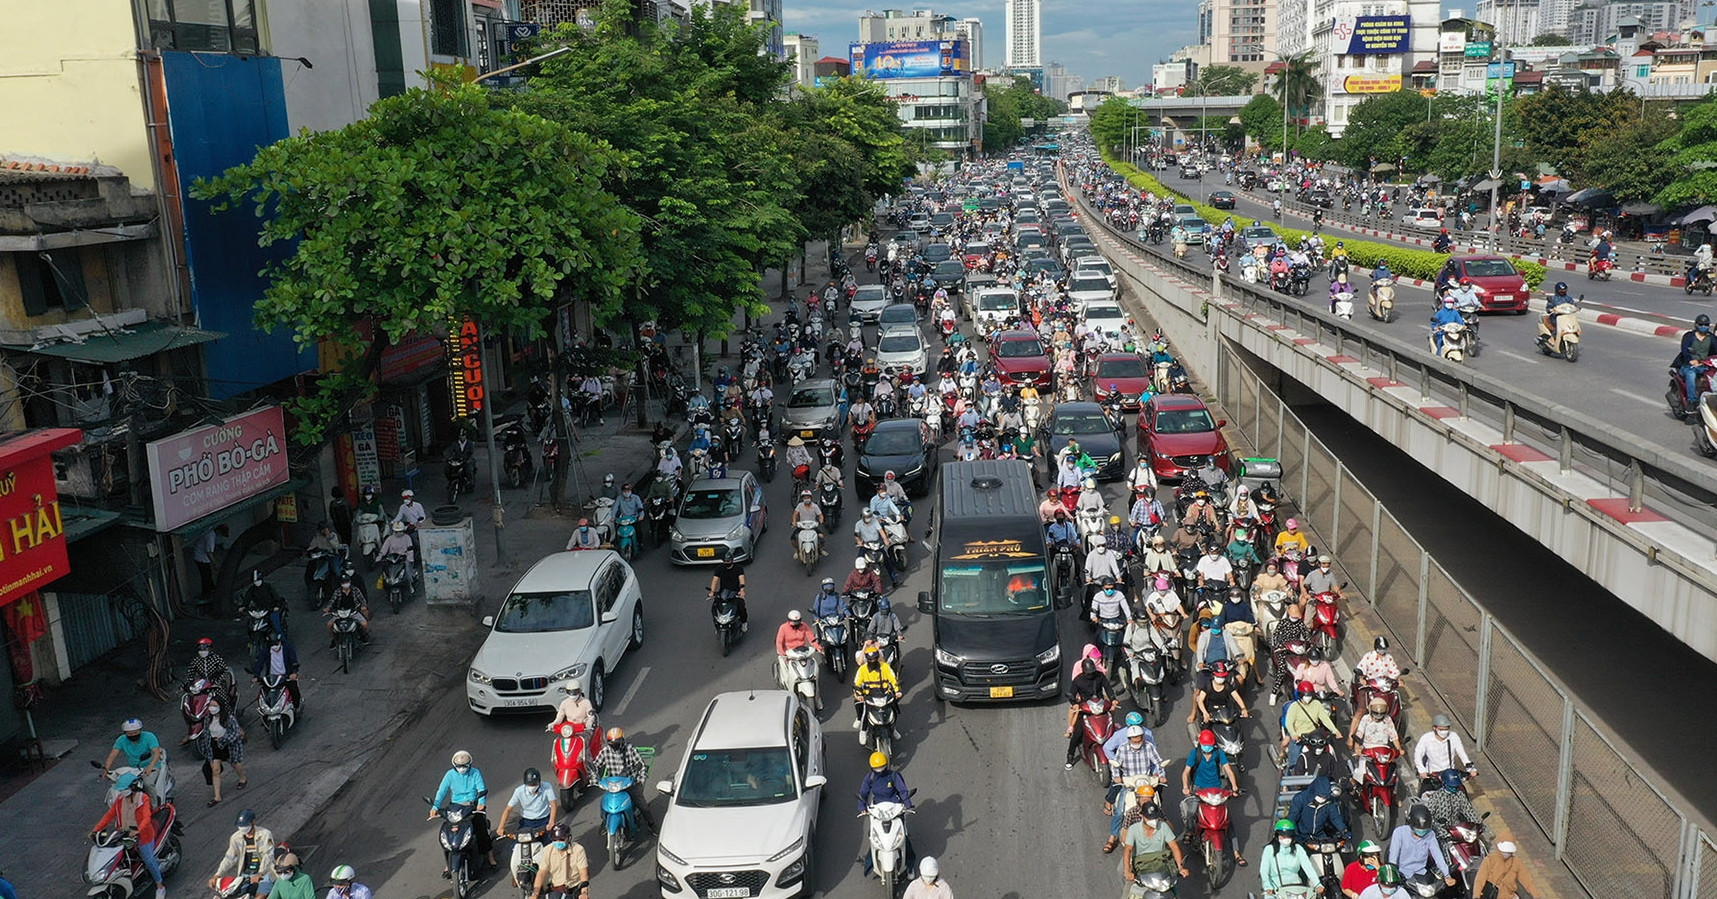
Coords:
1093,38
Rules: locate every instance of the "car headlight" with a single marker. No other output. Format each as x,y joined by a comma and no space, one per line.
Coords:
569,672
1050,655
666,878
792,847
478,677
738,529
944,657
793,871
1115,457
665,853
674,534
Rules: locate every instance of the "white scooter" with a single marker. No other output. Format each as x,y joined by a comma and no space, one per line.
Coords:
1565,342
1454,347
369,533
799,676
888,842
1341,304
807,545
1381,303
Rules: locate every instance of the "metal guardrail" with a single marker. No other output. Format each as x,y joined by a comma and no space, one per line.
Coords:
1683,489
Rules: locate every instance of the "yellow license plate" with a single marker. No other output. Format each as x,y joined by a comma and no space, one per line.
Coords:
1001,692
706,552
807,433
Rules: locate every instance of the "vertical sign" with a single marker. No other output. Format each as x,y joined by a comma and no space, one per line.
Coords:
465,374
366,459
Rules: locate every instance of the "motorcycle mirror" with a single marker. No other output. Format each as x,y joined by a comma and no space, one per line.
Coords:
816,781
666,787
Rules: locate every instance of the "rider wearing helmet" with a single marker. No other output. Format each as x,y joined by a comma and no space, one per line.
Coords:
1316,811
1697,346
619,758
1446,314
536,806
1413,848
1449,804
463,785
872,673
561,865
881,784
1362,871
1284,862
343,884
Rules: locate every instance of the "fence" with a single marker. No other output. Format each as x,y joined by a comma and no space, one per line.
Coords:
1613,829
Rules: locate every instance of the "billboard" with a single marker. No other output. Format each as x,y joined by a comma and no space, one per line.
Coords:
1371,84
1372,35
1451,41
33,535
910,59
204,470
1479,50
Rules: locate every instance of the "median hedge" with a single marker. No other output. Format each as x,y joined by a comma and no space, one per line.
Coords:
1406,263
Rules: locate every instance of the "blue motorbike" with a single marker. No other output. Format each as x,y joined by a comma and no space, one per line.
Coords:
619,818
626,538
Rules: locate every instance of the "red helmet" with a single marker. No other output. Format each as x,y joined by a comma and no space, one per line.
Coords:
1206,738
205,642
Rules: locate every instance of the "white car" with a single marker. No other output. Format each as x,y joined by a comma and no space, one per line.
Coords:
992,307
1424,218
901,347
1089,288
1094,264
1106,316
568,621
868,300
744,810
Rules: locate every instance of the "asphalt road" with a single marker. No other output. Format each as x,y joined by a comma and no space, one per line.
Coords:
1621,376
994,803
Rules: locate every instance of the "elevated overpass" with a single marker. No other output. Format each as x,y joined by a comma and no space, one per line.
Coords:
1181,115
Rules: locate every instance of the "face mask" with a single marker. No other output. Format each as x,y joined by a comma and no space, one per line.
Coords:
286,873
215,710
133,737
461,768
1420,833
1285,842
248,829
1153,821
560,844
202,653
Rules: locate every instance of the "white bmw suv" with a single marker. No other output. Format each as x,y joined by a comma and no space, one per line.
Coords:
743,811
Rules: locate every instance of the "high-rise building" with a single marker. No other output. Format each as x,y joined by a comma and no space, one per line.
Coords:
803,51
932,86
759,12
1111,83
1356,62
1293,27
1516,21
1553,15
900,25
1025,34
1240,32
1060,83
971,30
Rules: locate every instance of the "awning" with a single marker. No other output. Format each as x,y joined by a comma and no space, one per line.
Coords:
81,522
121,344
1640,208
1486,184
1702,214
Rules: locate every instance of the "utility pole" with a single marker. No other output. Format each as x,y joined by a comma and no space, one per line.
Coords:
1495,172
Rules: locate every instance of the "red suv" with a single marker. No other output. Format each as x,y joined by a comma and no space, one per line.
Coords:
1500,287
1177,433
1018,358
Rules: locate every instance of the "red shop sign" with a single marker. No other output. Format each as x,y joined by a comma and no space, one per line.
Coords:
465,374
32,530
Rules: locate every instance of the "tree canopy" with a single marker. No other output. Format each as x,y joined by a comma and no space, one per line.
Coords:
1691,154
1008,106
1560,126
1550,39
1261,117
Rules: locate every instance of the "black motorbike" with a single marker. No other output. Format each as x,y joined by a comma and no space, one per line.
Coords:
516,459
458,838
322,576
724,611
829,501
766,460
658,511
460,479
396,580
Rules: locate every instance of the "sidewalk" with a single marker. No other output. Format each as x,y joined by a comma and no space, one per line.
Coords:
416,657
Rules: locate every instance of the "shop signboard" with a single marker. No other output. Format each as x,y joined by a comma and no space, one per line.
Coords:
1372,35
465,369
1451,42
199,472
1371,84
1478,50
32,530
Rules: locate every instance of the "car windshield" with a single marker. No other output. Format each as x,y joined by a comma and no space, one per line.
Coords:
1184,421
869,292
1093,283
950,268
1120,368
1259,234
898,343
1019,349
997,302
977,249
1489,268
536,613
993,588
893,442
1080,423
1092,312
811,397
1042,265
937,252
704,504
905,315
720,778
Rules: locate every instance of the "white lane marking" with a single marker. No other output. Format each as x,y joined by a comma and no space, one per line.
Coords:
632,691
1632,309
1521,356
1634,396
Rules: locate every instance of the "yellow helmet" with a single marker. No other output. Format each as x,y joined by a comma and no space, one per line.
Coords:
1145,792
878,761
1114,519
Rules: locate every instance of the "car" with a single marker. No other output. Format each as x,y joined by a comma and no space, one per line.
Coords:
1098,435
719,518
1083,290
1189,172
868,301
812,411
1048,264
1028,239
1194,227
904,315
1255,235
1426,217
973,283
901,347
1177,434
1181,209
937,252
1222,199
1128,373
1107,317
1075,247
568,622
992,307
942,222
1027,217
901,445
949,273
1097,264
1018,358
742,812
1500,286
1320,198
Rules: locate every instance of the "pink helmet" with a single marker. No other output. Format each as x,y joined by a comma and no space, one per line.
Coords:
1293,523
1162,582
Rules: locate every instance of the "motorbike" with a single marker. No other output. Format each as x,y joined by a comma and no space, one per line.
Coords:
516,459
1454,347
658,511
766,460
1599,269
1317,757
1381,302
725,612
876,725
274,704
1325,852
1111,633
1066,567
1299,279
829,500
459,479
322,570
119,780
800,677
1564,342
1705,427
526,844
1225,723
345,636
1145,671
1464,843
1324,621
832,633
807,545
194,703
733,436
258,624
1699,280
1152,885
626,537
1269,608
603,519
620,819
114,870
368,529
1210,830
458,831
1341,304
1096,726
1379,688
1375,776
1703,383
571,754
888,842
396,581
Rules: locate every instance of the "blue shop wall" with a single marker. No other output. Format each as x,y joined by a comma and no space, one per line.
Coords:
222,109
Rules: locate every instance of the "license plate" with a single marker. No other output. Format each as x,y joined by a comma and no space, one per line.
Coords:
807,433
516,703
1001,692
728,893
706,552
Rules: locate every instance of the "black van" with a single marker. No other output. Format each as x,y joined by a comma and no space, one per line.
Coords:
994,611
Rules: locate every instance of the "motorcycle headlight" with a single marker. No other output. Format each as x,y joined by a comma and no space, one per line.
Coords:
792,847
478,677
944,657
1049,655
569,673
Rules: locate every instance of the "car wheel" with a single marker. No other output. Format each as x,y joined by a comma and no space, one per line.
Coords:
598,686
637,639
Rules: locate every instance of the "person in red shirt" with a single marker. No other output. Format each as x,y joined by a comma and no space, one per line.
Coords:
791,635
133,813
1361,872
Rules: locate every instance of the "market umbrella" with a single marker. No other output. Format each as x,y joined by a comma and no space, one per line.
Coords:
1591,197
1431,179
1383,167
1486,184
1702,214
1555,186
1639,208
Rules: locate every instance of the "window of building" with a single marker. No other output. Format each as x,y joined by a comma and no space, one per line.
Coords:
216,26
51,280
447,28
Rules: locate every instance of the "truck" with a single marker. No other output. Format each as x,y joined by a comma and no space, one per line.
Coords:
992,610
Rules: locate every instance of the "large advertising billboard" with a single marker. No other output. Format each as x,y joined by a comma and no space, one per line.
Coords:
1371,84
910,59
1372,35
204,470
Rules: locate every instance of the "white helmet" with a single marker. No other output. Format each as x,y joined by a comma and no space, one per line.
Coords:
928,868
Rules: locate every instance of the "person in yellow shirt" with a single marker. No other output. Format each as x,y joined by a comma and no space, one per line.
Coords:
871,672
1292,538
561,866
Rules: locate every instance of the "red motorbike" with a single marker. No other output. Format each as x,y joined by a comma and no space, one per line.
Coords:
1375,778
114,870
1289,564
1096,725
194,705
1703,383
947,328
1378,688
1070,500
574,750
1325,623
1294,656
1465,846
1599,269
1210,830
862,431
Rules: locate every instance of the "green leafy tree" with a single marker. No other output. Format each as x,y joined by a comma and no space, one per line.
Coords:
1297,85
848,149
1223,81
1375,126
1261,118
436,207
1692,153
1560,125
1550,39
1631,161
1010,102
1110,122
1315,143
